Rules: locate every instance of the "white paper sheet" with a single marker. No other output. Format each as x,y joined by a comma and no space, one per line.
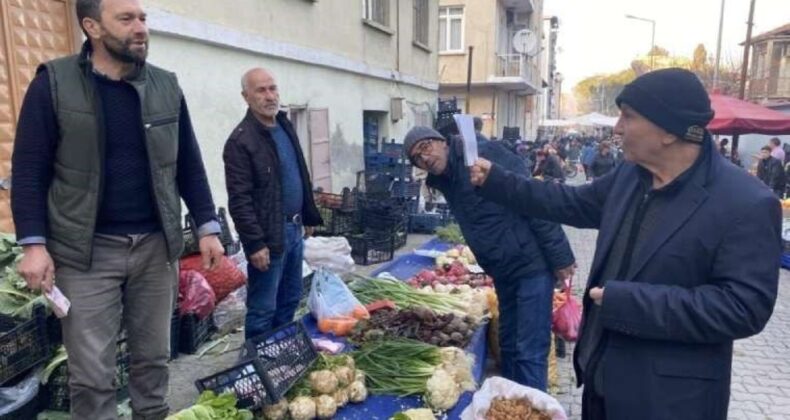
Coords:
466,127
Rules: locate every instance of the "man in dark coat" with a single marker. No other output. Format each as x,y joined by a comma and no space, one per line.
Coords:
687,257
523,255
271,201
771,172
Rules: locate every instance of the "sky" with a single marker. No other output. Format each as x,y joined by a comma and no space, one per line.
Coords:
595,36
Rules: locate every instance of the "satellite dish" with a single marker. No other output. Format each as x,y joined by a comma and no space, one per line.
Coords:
525,41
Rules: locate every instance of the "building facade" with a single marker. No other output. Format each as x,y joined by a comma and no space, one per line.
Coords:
505,36
346,70
769,83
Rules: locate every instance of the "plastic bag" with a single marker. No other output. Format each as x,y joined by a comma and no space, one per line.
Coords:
229,314
224,279
195,295
13,398
333,305
566,319
496,387
333,253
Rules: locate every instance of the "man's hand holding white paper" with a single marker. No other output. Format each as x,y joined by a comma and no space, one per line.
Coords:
466,127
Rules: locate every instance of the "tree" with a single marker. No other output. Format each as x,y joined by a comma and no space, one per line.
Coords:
699,64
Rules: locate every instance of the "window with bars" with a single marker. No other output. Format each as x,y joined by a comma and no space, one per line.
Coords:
451,29
421,19
377,11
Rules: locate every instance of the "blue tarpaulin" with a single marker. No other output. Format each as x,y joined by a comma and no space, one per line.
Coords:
383,407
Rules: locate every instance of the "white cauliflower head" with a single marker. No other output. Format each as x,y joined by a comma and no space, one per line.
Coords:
443,392
302,408
325,407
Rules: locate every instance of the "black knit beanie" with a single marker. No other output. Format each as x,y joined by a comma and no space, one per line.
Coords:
673,99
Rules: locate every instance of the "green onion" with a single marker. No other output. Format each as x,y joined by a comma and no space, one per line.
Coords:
369,290
400,367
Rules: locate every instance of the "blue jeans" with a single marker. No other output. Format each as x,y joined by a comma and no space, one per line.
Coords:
525,328
273,295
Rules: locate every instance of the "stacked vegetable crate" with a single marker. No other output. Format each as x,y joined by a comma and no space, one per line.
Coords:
194,332
55,394
383,225
338,212
272,364
23,344
191,242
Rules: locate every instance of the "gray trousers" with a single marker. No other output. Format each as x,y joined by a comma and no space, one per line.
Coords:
130,283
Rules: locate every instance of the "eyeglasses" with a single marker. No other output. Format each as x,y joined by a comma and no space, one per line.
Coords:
422,148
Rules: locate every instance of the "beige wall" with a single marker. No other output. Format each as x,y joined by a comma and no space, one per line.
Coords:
479,32
326,25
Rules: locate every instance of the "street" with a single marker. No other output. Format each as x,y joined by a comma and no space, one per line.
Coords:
761,370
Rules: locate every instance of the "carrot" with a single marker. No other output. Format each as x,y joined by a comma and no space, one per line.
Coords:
339,326
360,312
380,304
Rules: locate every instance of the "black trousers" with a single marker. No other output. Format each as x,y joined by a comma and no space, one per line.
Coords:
593,407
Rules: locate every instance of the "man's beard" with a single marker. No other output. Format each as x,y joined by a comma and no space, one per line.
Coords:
121,51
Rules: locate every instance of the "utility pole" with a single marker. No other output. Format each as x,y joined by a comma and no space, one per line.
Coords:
469,80
718,47
744,70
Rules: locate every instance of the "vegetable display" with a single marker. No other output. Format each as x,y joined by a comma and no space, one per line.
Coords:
15,298
369,290
451,234
408,367
418,323
453,274
332,383
211,406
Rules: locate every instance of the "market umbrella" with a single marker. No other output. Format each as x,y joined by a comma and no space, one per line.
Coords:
734,116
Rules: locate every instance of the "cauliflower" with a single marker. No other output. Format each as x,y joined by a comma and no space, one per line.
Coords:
325,407
467,253
348,361
459,365
277,411
323,382
345,376
359,376
341,397
357,392
302,408
443,392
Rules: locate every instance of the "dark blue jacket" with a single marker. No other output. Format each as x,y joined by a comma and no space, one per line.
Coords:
506,244
706,276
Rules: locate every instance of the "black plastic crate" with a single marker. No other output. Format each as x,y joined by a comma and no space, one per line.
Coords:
392,149
372,247
274,363
244,380
307,282
449,105
406,189
56,396
337,222
194,332
192,244
26,412
425,222
175,335
285,354
23,344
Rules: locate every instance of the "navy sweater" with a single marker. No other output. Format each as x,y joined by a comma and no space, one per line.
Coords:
127,205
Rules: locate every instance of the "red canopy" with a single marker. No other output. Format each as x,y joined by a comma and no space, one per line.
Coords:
734,116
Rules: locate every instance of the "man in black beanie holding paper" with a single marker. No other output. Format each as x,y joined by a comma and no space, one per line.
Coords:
687,258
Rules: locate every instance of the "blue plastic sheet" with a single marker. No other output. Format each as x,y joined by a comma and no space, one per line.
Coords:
383,407
786,261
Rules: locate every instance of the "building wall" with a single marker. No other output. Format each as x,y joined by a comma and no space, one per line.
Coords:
479,32
347,70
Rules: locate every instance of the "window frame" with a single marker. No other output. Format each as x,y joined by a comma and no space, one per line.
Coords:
422,22
369,12
445,14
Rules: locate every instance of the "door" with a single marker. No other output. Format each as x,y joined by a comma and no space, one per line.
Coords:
320,149
31,32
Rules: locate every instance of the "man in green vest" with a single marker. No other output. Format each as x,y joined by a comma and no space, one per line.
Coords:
104,153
